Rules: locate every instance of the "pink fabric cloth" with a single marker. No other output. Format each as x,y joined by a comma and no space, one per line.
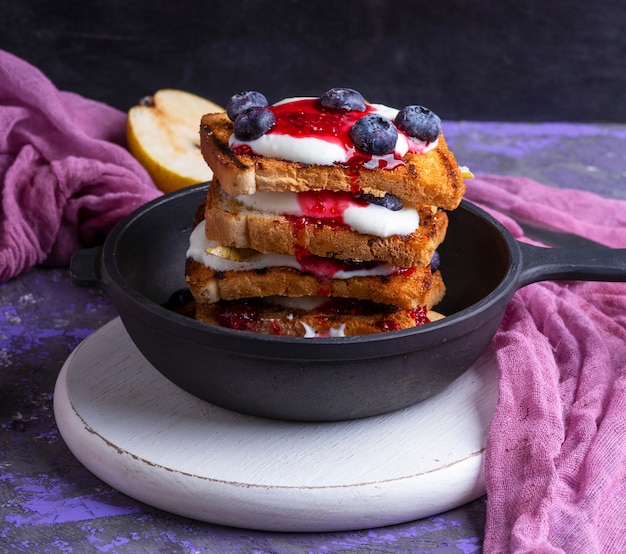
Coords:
66,176
556,449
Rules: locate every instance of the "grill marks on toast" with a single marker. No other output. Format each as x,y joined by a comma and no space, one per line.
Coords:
432,178
221,149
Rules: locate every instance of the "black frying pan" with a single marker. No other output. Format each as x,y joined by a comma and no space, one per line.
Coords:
142,265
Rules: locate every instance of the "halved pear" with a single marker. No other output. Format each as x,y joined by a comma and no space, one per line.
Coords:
163,134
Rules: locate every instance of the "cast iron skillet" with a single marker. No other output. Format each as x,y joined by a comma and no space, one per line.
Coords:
141,264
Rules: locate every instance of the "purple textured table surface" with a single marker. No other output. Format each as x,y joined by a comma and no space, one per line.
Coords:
50,503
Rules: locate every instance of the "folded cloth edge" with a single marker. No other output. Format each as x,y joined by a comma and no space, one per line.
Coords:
67,177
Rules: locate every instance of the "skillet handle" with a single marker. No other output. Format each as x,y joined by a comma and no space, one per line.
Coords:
85,267
576,264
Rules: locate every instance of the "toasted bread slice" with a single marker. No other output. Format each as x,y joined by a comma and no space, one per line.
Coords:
357,318
431,178
408,289
231,223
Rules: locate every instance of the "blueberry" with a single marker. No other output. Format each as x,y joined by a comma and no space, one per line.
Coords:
419,122
243,101
388,201
374,134
253,123
343,99
435,262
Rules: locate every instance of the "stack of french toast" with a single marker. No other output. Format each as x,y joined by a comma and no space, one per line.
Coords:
324,216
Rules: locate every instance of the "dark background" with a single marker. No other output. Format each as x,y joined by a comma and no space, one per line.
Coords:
467,60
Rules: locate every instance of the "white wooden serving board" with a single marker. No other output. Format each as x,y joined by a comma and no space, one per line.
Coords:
149,439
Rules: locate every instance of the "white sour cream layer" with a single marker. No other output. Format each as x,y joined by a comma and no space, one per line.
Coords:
369,219
200,250
317,151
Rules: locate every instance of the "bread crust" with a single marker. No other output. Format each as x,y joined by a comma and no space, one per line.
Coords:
284,322
431,178
411,289
231,223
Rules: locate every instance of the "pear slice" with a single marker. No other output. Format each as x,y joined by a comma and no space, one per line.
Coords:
231,253
466,172
163,134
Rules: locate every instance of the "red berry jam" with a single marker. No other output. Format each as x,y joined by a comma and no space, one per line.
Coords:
325,204
322,208
246,315
387,326
420,315
306,117
328,267
238,315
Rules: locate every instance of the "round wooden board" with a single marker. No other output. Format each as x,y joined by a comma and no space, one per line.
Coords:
149,439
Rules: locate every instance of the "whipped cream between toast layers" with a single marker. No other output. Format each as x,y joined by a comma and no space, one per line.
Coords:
328,148
200,250
362,217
